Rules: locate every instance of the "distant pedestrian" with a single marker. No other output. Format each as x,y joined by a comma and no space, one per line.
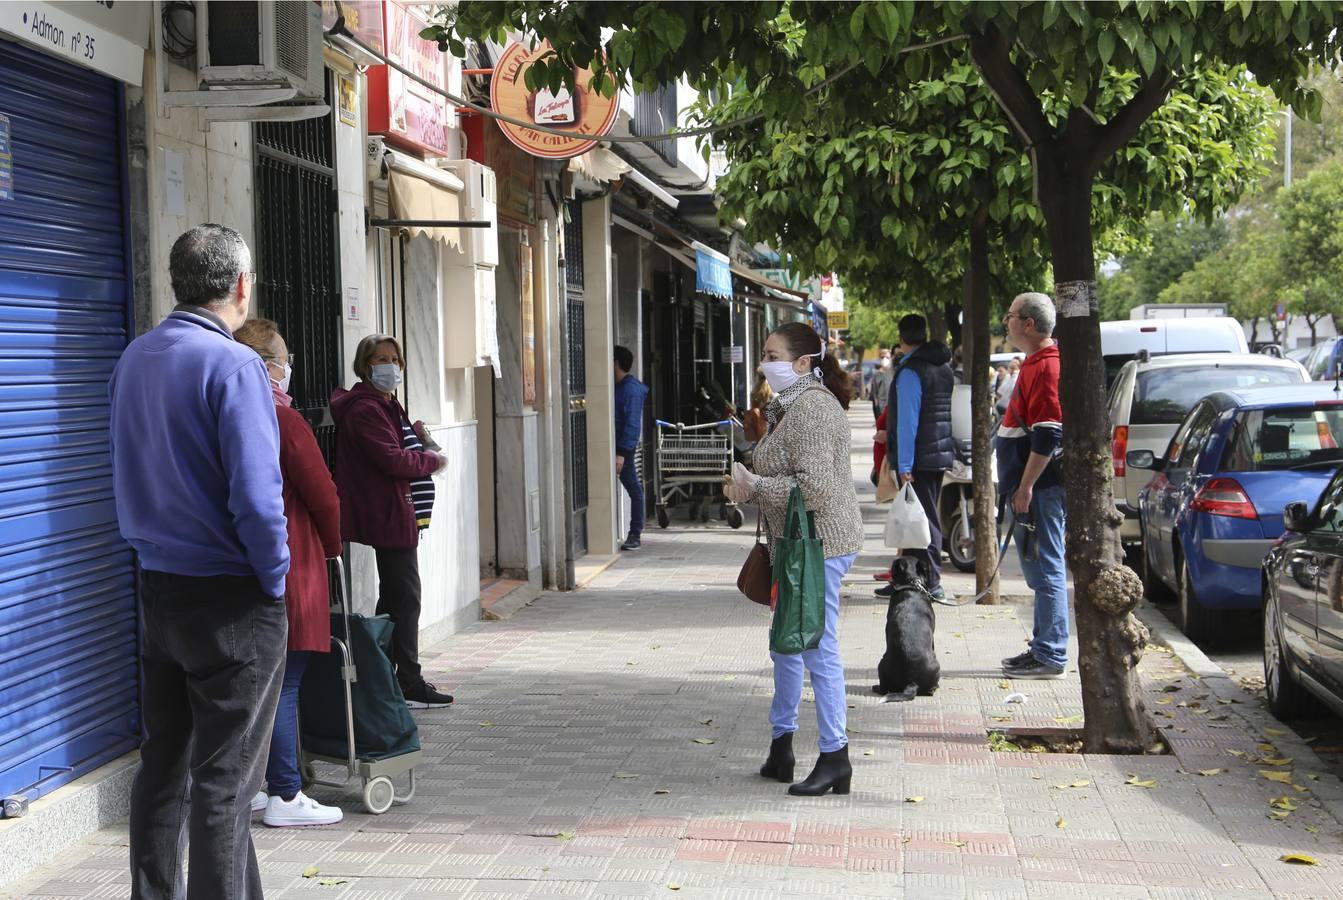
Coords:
629,414
809,446
880,388
312,510
1007,385
1029,475
196,474
918,431
384,466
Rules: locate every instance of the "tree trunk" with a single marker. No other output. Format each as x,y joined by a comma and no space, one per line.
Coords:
976,342
1254,329
1311,323
1110,639
937,325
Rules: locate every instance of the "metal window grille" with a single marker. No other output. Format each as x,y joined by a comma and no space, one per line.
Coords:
573,245
655,113
297,259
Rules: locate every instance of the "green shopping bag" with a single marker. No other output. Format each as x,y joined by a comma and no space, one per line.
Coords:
799,583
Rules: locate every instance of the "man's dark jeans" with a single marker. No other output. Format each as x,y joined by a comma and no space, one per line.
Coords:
213,652
928,488
629,477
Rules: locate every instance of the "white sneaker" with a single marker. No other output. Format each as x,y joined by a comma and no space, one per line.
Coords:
302,810
259,801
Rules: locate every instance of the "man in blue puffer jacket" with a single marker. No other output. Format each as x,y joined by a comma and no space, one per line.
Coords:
629,413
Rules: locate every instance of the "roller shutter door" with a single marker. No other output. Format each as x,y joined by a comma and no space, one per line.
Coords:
68,619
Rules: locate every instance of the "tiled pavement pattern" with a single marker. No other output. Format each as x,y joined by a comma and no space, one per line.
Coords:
570,767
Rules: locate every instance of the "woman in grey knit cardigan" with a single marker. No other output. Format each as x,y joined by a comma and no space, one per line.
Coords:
808,445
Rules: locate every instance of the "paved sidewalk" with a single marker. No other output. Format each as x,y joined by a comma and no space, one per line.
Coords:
605,743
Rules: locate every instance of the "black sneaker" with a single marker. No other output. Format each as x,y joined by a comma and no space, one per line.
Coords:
426,696
1016,662
631,543
1033,669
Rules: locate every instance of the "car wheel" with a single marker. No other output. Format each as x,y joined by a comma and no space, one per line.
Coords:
1195,618
1153,587
960,549
1286,698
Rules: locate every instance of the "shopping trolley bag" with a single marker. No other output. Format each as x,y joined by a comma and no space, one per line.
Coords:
383,726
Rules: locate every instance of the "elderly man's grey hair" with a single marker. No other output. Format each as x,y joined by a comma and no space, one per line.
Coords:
1038,307
206,262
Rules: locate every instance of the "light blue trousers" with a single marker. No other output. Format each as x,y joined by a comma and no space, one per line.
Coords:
827,673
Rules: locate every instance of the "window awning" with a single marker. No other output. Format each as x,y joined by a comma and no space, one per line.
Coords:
419,193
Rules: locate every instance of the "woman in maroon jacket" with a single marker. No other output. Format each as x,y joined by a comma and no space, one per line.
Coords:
387,496
313,512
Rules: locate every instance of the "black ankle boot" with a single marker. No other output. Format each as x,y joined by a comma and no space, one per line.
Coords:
781,761
832,771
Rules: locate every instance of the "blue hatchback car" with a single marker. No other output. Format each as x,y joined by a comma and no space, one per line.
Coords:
1214,504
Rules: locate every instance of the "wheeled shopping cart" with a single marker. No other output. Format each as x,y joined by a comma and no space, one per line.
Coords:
352,713
690,456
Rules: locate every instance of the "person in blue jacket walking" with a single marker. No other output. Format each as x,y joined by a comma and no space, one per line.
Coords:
629,414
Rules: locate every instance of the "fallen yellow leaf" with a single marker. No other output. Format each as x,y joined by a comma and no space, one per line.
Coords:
330,882
1001,718
1068,720
1279,816
1004,684
486,724
565,836
913,799
1279,777
662,791
706,721
1274,732
1312,829
1276,760
1142,783
310,871
729,677
869,753
1240,753
627,775
1061,823
1300,790
1299,859
1266,748
702,741
673,886
1165,700
1209,772
1283,802
955,843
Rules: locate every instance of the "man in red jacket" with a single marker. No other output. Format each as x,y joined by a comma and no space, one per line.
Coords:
1028,445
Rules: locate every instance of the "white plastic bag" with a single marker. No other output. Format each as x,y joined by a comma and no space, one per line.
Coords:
907,523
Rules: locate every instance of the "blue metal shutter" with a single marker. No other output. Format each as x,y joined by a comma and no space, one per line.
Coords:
68,628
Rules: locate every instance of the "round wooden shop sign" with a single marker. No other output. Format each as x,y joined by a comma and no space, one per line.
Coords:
584,111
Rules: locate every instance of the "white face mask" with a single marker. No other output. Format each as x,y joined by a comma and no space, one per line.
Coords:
780,375
885,362
283,383
386,377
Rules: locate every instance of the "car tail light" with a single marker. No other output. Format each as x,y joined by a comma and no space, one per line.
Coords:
1224,497
1119,450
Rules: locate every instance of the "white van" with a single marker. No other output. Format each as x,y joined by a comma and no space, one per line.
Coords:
1121,340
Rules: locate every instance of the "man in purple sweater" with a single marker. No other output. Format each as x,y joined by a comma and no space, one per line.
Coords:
196,473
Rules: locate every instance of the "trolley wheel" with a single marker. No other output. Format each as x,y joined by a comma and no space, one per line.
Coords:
663,518
378,794
735,517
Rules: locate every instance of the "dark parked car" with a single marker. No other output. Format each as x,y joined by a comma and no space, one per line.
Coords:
1303,606
1325,360
1215,504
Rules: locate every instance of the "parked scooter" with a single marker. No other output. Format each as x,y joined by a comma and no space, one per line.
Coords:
956,508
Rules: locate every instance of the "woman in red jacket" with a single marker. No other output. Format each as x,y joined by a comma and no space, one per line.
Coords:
313,512
383,470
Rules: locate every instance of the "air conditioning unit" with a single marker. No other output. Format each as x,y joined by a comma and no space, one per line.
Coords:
267,43
480,246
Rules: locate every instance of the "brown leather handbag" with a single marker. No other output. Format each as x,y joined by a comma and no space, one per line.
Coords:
756,579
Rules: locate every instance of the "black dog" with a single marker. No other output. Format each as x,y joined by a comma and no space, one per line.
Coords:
910,666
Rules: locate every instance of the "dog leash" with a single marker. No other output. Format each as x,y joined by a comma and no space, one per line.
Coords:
1002,554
